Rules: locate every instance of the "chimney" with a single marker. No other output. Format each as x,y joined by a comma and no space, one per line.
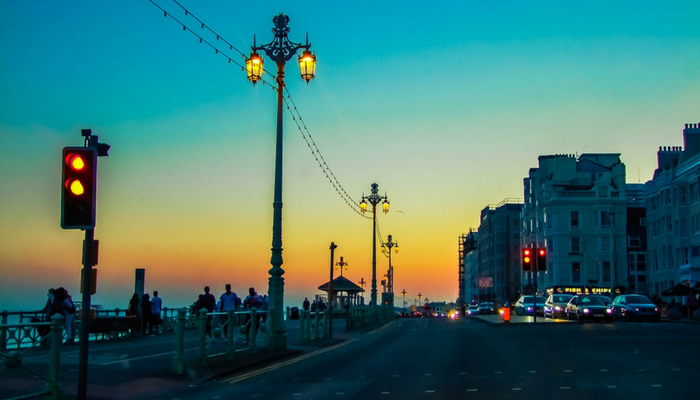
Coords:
691,140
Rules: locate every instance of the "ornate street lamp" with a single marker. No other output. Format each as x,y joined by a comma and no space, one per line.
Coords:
340,264
386,247
280,50
374,198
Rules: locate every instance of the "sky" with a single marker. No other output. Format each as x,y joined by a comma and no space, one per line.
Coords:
446,105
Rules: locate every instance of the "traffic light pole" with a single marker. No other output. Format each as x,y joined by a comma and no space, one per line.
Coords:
85,318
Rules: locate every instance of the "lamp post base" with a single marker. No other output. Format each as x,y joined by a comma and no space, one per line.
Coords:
277,330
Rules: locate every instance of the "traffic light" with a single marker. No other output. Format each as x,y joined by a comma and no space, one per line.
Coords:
78,189
527,259
541,259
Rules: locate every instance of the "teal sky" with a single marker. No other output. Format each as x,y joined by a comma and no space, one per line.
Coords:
445,104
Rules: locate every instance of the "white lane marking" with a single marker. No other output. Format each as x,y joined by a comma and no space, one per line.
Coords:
656,385
564,387
471,390
611,386
251,374
603,370
532,372
384,393
462,373
497,372
567,370
429,391
516,389
395,376
428,374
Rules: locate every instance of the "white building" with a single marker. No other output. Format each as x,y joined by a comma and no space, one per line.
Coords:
673,214
575,207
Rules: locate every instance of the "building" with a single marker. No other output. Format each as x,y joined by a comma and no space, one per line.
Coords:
673,214
636,239
498,273
575,208
469,258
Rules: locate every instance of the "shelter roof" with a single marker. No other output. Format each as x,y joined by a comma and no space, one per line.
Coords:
342,284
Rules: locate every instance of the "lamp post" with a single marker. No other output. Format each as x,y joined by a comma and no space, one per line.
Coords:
280,50
342,265
374,198
404,300
387,247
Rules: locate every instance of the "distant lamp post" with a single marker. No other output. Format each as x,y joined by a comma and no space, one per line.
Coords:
342,265
420,296
280,50
374,198
404,299
386,247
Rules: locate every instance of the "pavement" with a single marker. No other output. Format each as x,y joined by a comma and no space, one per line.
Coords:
141,367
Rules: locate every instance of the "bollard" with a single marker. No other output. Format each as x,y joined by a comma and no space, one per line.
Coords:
253,330
53,385
505,313
179,357
202,355
230,349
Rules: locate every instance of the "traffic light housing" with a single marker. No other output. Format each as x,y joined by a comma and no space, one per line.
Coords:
542,259
78,188
527,258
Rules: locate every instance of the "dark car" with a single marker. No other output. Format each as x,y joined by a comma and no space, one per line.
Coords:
591,308
635,307
487,307
555,305
524,305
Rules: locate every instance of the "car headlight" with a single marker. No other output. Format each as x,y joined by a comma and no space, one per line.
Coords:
636,309
529,308
586,311
609,310
656,309
557,308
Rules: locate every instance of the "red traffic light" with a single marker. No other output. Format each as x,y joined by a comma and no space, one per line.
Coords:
541,252
79,188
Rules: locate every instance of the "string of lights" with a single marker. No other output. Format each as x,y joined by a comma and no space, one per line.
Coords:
293,110
203,40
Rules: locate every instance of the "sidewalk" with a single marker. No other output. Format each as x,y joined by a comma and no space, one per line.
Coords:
142,367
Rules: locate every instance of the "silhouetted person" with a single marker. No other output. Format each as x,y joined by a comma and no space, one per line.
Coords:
208,302
145,313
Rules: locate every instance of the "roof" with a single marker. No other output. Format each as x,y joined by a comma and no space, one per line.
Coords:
342,284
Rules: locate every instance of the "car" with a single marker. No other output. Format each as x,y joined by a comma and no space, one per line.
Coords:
635,307
524,305
592,308
487,307
473,309
555,305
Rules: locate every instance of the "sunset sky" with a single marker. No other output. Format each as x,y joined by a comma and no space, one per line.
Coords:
446,105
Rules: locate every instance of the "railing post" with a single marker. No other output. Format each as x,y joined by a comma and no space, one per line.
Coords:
230,349
202,355
253,330
179,357
317,320
302,325
53,386
3,331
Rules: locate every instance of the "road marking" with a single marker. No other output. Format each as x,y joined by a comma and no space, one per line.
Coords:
383,392
251,374
564,387
516,389
532,372
603,370
428,374
297,394
567,370
676,369
656,385
340,393
497,372
361,377
429,391
462,373
611,386
329,379
471,390
395,376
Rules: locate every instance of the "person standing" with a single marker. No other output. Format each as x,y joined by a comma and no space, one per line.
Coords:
253,300
228,301
145,313
208,302
306,304
69,313
133,312
156,306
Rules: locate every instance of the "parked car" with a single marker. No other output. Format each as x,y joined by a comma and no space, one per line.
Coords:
635,306
473,309
487,307
524,305
555,305
592,308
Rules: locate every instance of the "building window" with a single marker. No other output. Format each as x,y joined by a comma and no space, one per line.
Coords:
684,199
575,245
574,219
634,241
605,219
576,272
642,221
605,271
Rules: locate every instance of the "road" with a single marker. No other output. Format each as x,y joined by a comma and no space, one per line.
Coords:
445,359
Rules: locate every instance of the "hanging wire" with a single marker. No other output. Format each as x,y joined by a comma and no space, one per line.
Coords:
293,110
203,40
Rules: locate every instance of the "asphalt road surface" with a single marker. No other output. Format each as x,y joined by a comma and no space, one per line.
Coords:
417,358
